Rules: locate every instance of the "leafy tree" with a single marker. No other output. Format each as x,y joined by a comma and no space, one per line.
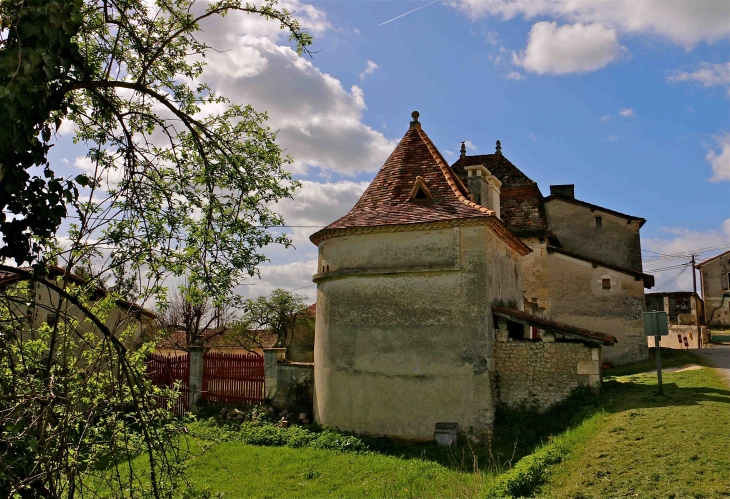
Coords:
177,189
278,314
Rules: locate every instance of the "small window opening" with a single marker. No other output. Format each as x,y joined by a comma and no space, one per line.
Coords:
599,222
515,330
51,319
420,194
606,283
725,281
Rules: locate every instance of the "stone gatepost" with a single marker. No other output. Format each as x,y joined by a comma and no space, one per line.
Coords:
196,377
272,357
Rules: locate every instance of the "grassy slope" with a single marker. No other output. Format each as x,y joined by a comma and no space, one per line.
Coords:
628,443
651,446
241,470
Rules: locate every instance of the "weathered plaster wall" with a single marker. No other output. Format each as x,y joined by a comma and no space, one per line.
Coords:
717,310
404,333
534,373
617,241
534,277
577,298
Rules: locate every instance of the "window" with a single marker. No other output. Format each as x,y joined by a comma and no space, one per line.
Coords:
51,319
679,305
606,283
599,222
420,194
725,281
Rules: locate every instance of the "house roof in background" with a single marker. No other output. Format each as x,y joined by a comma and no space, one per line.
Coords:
712,259
522,207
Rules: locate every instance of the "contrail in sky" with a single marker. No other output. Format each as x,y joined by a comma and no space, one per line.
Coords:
410,12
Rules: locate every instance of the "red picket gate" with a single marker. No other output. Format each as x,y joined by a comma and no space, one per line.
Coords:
233,378
165,371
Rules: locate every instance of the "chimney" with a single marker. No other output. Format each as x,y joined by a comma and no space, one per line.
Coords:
484,188
565,190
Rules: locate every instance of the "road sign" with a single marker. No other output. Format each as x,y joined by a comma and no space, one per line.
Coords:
656,324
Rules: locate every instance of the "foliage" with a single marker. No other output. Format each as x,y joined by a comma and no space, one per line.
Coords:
278,314
64,415
266,433
179,184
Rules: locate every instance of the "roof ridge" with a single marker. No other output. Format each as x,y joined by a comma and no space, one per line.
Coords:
451,178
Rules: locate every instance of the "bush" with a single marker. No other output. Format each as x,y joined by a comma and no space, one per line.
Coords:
268,434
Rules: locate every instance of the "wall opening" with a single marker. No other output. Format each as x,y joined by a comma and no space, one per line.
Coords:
606,283
599,222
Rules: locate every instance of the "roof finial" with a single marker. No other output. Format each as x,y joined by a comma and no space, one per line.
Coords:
415,124
463,149
499,148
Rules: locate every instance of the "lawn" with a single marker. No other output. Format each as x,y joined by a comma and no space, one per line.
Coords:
629,442
651,446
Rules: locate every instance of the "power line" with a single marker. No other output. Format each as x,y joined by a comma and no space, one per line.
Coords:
663,285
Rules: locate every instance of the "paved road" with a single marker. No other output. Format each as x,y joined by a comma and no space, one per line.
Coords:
718,356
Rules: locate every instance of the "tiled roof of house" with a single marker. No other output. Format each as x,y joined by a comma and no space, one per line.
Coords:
553,326
521,203
388,199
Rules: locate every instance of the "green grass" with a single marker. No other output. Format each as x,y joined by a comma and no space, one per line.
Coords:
629,442
652,446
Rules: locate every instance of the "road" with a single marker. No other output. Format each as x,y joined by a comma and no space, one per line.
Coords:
718,356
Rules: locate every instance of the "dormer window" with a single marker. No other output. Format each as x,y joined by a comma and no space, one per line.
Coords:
420,192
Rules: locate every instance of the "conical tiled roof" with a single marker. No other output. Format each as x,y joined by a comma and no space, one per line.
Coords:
387,200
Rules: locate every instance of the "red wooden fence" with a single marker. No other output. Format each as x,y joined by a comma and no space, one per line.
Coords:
165,371
233,378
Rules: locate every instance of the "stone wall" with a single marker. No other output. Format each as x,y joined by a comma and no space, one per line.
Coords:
616,241
288,385
543,374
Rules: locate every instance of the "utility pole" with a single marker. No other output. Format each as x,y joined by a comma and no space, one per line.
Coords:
697,303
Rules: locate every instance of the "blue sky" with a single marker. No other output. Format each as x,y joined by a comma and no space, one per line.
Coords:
629,102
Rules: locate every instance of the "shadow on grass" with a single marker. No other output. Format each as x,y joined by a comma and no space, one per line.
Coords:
518,432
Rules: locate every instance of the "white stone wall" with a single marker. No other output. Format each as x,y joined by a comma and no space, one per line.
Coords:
404,334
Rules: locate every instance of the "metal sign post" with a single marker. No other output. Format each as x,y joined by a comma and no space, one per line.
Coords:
656,324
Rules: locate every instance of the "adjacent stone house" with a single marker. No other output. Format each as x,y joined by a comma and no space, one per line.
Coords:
585,265
715,284
685,311
419,316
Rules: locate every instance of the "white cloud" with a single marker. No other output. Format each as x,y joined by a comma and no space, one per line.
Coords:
682,242
515,75
707,74
492,38
571,48
606,118
533,137
319,204
611,138
293,276
370,69
319,122
627,112
685,23
720,161
470,145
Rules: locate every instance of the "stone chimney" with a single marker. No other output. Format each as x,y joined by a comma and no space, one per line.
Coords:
484,188
565,190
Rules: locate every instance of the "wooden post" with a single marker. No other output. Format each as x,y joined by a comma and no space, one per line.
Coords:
196,377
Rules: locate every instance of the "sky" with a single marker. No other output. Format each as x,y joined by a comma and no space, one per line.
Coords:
629,101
